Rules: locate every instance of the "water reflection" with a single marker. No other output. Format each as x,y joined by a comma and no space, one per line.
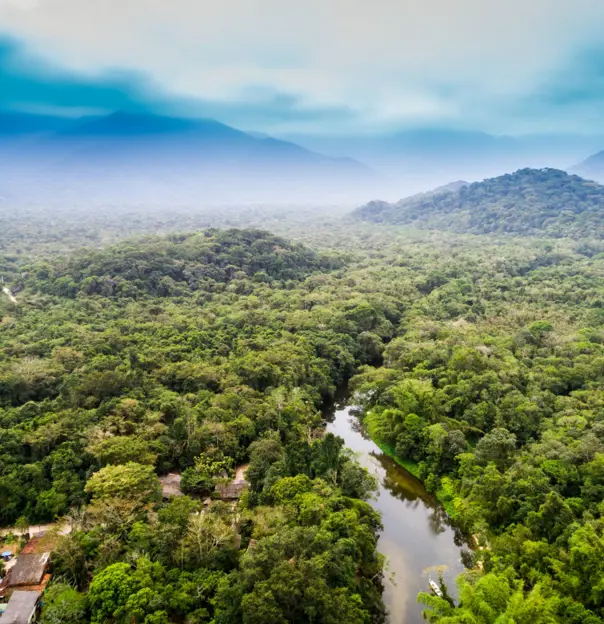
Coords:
417,536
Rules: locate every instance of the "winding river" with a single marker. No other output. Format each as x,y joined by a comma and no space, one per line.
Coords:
418,540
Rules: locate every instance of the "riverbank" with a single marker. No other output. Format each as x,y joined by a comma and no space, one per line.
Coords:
413,468
418,538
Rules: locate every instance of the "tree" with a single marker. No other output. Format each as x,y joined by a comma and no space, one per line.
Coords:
22,525
121,450
130,481
263,453
201,478
354,480
496,446
109,593
121,494
328,458
64,605
552,519
491,599
208,534
69,558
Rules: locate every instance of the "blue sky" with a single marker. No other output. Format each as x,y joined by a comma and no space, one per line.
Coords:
313,66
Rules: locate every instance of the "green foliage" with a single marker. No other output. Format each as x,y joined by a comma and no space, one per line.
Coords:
128,481
306,572
193,353
109,593
121,450
500,408
528,202
494,598
197,353
122,494
179,264
64,605
201,478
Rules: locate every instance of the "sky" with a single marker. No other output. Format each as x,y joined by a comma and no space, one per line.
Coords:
312,66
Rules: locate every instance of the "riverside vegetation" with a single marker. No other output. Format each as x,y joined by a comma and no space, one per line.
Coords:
197,352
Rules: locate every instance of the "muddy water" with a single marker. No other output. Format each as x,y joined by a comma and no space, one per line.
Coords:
417,539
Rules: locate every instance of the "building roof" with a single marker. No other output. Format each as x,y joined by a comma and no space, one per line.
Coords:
29,570
6,553
170,485
21,607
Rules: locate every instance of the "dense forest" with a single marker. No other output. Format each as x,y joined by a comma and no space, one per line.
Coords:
492,394
478,362
194,353
545,202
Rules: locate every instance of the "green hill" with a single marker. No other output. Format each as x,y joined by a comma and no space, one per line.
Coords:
528,202
159,266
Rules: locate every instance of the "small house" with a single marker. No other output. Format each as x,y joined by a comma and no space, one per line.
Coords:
235,488
21,608
29,570
170,485
6,555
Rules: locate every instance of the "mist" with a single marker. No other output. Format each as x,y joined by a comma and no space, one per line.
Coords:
153,160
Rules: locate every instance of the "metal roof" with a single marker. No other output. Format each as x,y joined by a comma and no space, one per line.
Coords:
21,607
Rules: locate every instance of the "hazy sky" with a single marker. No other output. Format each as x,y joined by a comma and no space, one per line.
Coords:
321,66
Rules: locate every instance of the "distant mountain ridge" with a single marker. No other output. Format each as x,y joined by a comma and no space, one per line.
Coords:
591,168
122,123
146,157
427,157
131,131
528,202
451,187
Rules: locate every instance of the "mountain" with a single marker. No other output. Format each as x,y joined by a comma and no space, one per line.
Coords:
143,157
528,202
591,168
451,187
428,157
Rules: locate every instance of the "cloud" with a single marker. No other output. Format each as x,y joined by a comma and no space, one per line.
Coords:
319,64
30,84
581,81
568,99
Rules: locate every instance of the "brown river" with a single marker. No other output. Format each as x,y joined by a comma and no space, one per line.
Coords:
418,539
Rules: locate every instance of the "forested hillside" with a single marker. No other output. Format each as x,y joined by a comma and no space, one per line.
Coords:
176,265
199,352
194,353
528,202
492,395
